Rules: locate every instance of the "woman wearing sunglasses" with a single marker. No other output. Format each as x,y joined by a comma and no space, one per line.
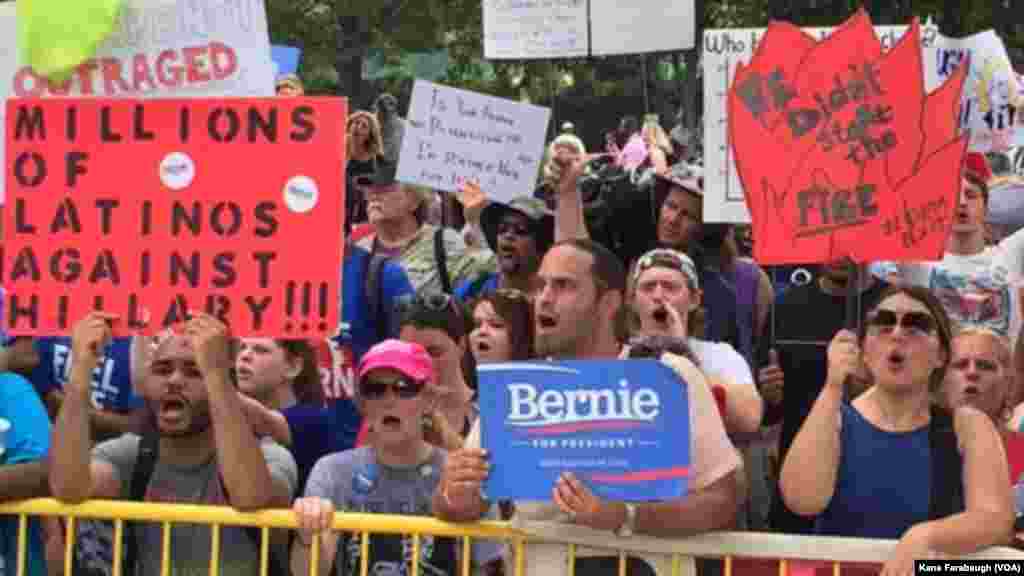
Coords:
395,473
502,327
890,464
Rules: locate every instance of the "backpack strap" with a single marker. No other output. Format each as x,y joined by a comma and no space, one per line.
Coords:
441,257
276,565
947,496
145,462
374,293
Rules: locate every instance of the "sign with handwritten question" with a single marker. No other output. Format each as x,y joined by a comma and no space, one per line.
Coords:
841,151
987,101
453,135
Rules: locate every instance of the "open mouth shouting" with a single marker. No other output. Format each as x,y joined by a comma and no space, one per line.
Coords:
172,409
896,360
546,322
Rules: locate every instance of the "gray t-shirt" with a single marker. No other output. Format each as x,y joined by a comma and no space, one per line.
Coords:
355,482
190,544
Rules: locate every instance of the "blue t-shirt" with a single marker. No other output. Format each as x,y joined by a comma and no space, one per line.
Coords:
884,481
28,440
111,381
311,437
358,333
475,288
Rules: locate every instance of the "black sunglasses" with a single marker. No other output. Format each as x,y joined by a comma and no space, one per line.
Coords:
912,322
402,387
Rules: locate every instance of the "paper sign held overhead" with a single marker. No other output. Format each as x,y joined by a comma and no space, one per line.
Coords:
840,150
151,209
621,426
452,135
517,30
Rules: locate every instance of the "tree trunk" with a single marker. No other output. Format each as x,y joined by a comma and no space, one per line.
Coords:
952,18
352,41
691,115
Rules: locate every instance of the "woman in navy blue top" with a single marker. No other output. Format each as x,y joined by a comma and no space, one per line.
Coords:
283,397
889,464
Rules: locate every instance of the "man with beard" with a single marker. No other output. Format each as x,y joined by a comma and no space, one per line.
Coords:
581,291
202,449
794,364
519,233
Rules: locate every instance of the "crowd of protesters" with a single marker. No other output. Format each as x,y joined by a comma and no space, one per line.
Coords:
904,423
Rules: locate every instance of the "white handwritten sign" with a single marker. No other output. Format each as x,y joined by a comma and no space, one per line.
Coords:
986,106
453,134
162,49
520,29
618,27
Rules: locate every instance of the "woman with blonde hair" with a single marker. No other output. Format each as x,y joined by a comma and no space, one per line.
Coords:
365,150
659,147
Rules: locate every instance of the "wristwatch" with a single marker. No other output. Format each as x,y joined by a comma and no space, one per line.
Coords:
629,525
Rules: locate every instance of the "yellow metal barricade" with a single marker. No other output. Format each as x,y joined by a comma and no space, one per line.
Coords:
783,555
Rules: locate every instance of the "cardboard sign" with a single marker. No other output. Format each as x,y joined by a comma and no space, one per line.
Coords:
452,135
986,98
162,49
150,209
840,150
621,426
521,30
576,28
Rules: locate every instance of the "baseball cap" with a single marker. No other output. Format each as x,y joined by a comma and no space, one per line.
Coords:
977,164
408,358
687,177
542,220
671,259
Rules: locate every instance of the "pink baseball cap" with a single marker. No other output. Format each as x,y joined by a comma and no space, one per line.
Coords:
408,358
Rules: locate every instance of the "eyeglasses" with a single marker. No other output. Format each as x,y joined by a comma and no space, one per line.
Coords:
402,388
511,294
513,228
914,323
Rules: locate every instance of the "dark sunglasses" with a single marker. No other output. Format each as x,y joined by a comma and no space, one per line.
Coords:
428,308
516,229
912,322
402,387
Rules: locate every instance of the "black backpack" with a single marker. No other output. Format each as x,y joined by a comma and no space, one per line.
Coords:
149,449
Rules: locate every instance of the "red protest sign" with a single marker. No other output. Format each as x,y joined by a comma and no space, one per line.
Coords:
152,209
841,152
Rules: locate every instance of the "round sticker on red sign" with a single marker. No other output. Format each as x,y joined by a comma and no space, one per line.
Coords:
177,171
301,194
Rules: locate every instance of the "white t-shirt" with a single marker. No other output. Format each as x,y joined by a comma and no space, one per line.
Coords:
978,290
721,360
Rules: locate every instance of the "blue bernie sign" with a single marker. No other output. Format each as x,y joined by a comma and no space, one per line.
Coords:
621,426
